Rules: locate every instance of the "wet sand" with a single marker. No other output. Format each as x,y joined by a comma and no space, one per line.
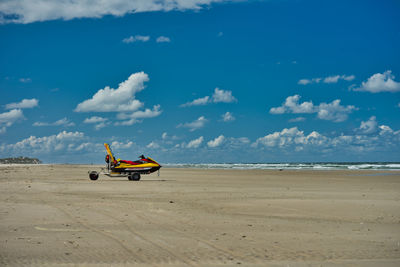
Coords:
54,215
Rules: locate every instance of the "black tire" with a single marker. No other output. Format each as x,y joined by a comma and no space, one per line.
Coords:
134,177
93,175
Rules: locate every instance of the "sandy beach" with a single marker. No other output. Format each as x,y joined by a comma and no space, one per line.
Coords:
54,215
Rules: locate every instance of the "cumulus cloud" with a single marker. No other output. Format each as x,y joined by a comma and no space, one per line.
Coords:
219,96
380,82
228,117
163,39
309,81
62,122
95,119
369,126
153,144
46,144
329,79
116,100
9,118
121,100
369,138
136,38
28,11
224,96
336,78
195,143
194,125
216,142
166,137
135,117
197,102
288,137
333,111
99,122
122,145
292,105
25,103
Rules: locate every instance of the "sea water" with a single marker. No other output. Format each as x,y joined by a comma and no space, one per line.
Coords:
293,166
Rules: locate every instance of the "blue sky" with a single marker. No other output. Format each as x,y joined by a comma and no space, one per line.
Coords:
200,81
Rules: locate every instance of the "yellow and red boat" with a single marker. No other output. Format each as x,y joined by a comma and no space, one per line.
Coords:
131,169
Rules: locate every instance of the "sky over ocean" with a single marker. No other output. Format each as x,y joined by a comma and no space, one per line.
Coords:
200,81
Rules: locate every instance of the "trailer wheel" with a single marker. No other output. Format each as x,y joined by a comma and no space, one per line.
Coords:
93,175
134,177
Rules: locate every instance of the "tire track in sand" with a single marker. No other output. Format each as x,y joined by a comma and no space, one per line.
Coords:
227,254
135,233
98,231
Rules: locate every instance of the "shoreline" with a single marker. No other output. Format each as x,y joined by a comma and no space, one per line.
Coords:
236,166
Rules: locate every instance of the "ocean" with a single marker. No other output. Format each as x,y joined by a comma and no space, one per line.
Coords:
387,166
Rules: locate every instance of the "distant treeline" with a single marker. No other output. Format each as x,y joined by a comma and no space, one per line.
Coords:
20,160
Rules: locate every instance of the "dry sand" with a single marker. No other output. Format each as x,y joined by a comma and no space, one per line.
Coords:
54,215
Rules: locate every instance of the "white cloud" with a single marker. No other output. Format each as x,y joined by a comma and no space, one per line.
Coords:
288,137
293,139
99,121
163,39
332,79
224,96
336,78
195,143
216,142
168,138
25,103
121,145
62,122
95,119
194,125
348,78
298,119
134,117
380,82
309,81
329,79
136,38
120,100
153,145
101,125
219,96
116,100
292,105
369,126
46,144
28,11
333,111
228,117
385,130
197,102
25,80
9,118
